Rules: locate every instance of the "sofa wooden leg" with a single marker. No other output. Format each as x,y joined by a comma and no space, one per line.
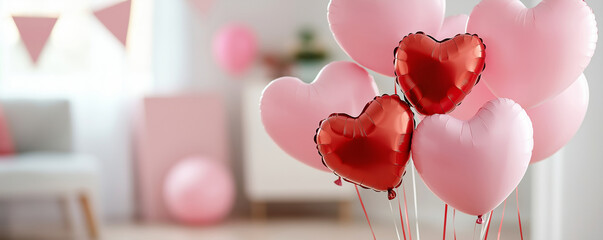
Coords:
345,211
66,211
258,211
91,223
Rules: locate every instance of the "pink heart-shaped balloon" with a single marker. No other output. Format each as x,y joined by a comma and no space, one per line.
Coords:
555,121
292,110
479,95
369,30
534,54
452,26
474,165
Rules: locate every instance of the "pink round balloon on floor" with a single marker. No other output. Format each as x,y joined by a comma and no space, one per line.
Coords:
199,190
235,48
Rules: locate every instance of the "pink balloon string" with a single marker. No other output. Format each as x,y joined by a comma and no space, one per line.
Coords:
518,215
365,214
453,222
401,219
474,228
501,219
406,212
488,227
445,217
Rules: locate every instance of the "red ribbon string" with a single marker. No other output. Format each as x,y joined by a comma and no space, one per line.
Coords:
488,227
401,219
518,215
406,212
395,88
501,219
445,217
365,214
453,222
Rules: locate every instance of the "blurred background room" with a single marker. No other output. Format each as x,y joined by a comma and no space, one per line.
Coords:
111,109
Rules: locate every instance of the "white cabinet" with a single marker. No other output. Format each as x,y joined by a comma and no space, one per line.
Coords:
271,175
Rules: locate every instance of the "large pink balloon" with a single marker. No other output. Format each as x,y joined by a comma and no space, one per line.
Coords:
479,95
235,48
556,121
452,26
534,54
198,190
369,30
474,165
291,109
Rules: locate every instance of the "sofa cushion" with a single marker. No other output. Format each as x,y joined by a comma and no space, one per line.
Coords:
38,172
47,162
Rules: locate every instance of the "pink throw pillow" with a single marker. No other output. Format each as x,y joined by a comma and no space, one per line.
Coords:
7,146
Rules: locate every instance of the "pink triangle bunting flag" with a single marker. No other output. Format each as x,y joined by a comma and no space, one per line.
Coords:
116,19
34,32
202,5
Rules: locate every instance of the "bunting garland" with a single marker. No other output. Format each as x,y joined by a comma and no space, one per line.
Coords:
34,32
116,18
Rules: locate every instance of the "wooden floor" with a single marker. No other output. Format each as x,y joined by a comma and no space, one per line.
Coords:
284,229
272,229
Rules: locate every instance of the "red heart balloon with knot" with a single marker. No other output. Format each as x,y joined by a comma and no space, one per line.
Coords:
436,76
370,150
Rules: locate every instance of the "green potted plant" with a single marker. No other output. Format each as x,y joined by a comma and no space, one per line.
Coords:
309,57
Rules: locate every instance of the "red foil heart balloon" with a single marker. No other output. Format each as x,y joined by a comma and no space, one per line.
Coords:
371,150
436,76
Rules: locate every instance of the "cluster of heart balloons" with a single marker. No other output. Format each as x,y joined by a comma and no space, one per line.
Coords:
487,112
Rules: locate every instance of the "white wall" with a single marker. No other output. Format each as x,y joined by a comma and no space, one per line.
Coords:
581,192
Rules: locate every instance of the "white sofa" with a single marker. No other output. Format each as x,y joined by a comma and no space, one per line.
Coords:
44,163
